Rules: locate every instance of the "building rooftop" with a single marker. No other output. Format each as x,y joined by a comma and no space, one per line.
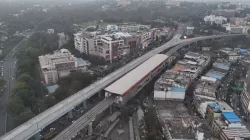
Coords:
215,74
131,79
169,79
221,66
231,117
177,120
236,133
178,68
179,76
193,54
48,61
220,107
52,88
206,88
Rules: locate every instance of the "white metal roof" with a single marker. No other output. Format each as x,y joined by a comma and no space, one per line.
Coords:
129,80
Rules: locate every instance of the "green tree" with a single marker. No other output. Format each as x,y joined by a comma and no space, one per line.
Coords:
50,101
20,85
15,106
25,78
26,95
24,116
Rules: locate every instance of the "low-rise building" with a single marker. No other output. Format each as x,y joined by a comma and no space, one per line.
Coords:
172,84
215,19
133,27
206,88
192,55
56,64
112,28
225,12
201,103
238,21
237,29
224,123
178,124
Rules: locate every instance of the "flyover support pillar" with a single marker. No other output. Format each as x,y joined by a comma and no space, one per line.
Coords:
70,113
85,104
37,136
100,94
90,128
110,110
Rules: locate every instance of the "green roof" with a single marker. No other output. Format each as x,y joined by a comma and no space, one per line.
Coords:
237,88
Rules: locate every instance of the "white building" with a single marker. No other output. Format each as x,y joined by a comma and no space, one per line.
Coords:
53,64
50,31
112,28
63,39
173,93
80,45
192,55
215,19
133,27
237,29
145,39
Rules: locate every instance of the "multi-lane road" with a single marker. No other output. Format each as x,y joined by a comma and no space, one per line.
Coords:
9,66
9,71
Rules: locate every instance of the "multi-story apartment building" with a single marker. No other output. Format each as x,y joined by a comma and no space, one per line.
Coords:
63,39
112,48
80,43
52,64
245,97
145,38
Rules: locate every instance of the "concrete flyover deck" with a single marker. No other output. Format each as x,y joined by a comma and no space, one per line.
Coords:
85,120
36,124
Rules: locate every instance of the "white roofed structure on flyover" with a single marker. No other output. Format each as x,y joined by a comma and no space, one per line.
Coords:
127,83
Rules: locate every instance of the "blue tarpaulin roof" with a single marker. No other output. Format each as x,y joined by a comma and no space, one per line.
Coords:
231,117
243,50
177,89
215,106
214,75
221,66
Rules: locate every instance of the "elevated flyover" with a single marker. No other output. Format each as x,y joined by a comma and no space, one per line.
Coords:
36,124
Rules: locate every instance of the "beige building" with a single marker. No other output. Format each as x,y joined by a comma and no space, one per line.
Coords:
53,64
112,48
145,38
